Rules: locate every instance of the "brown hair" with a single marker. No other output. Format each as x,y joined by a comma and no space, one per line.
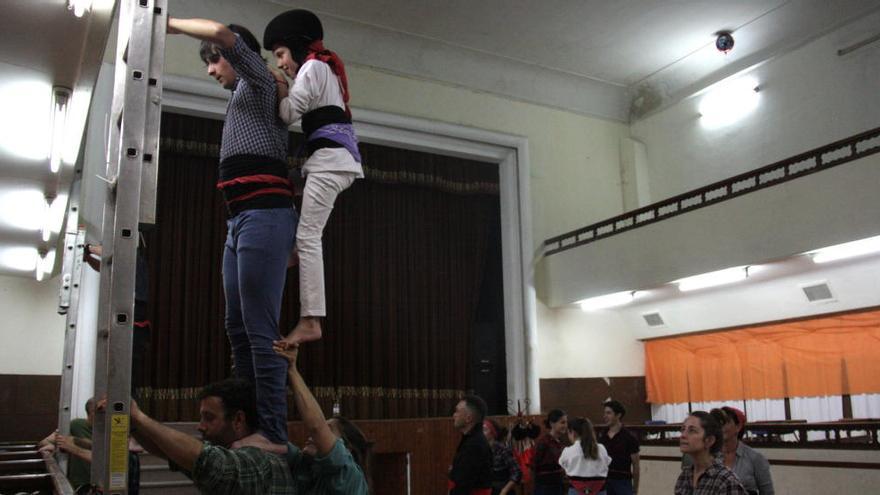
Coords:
583,427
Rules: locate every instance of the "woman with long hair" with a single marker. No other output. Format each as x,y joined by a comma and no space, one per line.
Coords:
548,474
585,461
506,473
357,444
702,439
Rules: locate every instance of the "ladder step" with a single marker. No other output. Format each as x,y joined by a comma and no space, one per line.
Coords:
22,465
26,481
15,456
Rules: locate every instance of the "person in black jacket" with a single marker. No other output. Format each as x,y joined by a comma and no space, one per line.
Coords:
471,470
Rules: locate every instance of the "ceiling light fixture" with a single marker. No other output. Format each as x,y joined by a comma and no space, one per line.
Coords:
729,101
45,264
846,250
712,279
41,261
60,98
607,301
79,7
46,229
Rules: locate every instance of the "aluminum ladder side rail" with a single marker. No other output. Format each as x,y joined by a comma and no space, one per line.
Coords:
68,304
133,143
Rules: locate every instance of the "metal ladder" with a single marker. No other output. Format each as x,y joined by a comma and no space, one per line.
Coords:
132,166
68,304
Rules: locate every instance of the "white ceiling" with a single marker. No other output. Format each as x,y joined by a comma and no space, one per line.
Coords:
44,45
773,292
587,56
615,49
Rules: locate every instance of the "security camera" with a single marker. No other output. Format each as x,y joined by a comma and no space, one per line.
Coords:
724,41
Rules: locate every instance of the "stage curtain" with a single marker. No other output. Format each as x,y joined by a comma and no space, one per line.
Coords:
823,356
404,257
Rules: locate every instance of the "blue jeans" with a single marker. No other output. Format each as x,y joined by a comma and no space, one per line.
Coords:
618,487
258,243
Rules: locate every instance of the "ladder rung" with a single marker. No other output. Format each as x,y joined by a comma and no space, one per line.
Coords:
19,481
15,456
22,465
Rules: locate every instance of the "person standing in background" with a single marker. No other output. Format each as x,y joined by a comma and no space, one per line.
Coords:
623,447
585,461
548,474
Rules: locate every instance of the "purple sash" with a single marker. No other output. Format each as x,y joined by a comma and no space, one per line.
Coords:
341,134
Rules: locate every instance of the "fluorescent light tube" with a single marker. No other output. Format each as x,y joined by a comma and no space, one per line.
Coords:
712,279
606,301
846,250
60,98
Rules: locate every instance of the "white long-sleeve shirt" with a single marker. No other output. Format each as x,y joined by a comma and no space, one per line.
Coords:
574,463
317,86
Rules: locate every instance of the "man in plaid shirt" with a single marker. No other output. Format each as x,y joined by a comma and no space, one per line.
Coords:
228,414
261,228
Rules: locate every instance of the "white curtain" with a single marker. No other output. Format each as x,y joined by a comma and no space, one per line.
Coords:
671,413
865,406
766,410
709,405
817,410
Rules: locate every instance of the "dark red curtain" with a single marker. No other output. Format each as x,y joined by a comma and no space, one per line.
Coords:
404,253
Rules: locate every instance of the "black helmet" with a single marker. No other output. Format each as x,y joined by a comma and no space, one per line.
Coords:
292,29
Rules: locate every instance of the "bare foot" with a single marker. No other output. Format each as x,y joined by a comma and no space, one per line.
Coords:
307,330
259,441
134,446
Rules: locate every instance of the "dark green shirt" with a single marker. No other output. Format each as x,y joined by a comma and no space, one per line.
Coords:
79,471
245,471
335,473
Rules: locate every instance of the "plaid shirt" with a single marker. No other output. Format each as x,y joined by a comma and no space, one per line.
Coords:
504,466
717,480
252,125
244,471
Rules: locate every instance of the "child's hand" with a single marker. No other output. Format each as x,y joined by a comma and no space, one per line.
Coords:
280,83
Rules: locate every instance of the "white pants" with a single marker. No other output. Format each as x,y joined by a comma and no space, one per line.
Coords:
318,198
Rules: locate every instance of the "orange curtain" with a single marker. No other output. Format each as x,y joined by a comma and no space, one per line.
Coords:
833,355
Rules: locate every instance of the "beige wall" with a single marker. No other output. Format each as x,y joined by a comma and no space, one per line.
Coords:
32,329
575,344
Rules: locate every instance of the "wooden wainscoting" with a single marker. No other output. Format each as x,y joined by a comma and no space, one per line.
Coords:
28,406
430,443
584,397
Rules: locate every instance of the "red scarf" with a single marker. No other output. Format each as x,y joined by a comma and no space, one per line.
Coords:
318,52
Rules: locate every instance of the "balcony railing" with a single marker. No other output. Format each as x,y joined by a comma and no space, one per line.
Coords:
816,160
